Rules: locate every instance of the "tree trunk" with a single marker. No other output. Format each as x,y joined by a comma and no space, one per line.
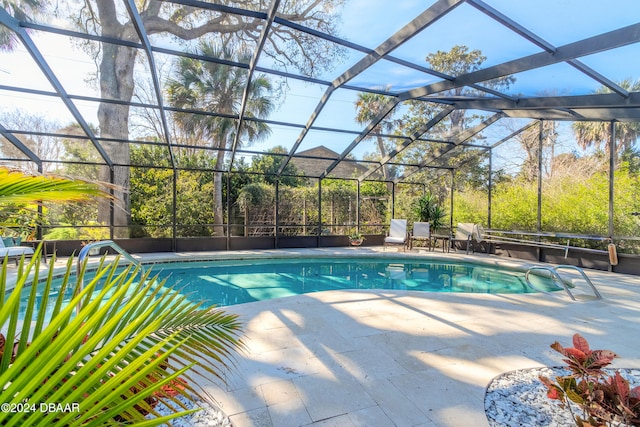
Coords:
218,208
117,79
383,154
116,82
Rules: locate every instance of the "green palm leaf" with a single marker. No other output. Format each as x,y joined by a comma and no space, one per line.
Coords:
131,336
19,188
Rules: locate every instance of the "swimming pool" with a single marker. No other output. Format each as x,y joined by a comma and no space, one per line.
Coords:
229,282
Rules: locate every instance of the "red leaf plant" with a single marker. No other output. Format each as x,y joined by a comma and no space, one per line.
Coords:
605,400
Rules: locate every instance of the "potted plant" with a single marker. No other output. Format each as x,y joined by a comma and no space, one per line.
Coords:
355,238
426,209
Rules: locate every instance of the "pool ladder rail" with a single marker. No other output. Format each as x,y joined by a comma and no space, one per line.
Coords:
557,278
86,251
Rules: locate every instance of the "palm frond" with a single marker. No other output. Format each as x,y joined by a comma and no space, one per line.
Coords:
19,188
131,336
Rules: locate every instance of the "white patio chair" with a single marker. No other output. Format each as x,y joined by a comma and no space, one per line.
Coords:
397,233
467,233
421,232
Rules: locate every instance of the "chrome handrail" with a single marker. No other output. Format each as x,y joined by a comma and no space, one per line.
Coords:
556,277
584,276
84,252
502,239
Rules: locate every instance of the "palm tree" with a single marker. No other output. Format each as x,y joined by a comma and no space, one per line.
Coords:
368,105
22,10
597,134
18,190
218,88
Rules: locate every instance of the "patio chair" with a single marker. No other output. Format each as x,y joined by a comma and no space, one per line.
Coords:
397,233
8,248
468,233
421,232
464,235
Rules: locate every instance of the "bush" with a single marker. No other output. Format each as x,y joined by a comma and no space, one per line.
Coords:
604,400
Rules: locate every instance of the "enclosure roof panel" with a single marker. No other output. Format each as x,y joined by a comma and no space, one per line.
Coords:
365,79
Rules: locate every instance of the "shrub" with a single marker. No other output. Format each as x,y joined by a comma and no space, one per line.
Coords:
605,400
426,209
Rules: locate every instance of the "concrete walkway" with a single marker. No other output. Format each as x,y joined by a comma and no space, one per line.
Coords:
401,358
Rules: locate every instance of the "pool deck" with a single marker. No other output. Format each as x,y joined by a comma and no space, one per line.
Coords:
404,358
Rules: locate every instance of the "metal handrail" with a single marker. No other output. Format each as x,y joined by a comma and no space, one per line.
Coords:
84,252
556,277
549,234
502,239
584,276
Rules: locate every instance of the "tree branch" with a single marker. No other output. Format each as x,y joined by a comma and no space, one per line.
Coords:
155,25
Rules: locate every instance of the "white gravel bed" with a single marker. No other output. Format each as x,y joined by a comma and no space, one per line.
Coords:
209,416
518,398
513,399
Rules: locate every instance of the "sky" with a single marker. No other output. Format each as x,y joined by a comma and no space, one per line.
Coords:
369,23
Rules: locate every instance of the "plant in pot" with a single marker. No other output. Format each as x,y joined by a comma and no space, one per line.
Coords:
426,209
355,238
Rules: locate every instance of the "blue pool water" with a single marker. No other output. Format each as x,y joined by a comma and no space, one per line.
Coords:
223,283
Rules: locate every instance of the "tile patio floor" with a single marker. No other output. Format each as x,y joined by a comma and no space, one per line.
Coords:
403,358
